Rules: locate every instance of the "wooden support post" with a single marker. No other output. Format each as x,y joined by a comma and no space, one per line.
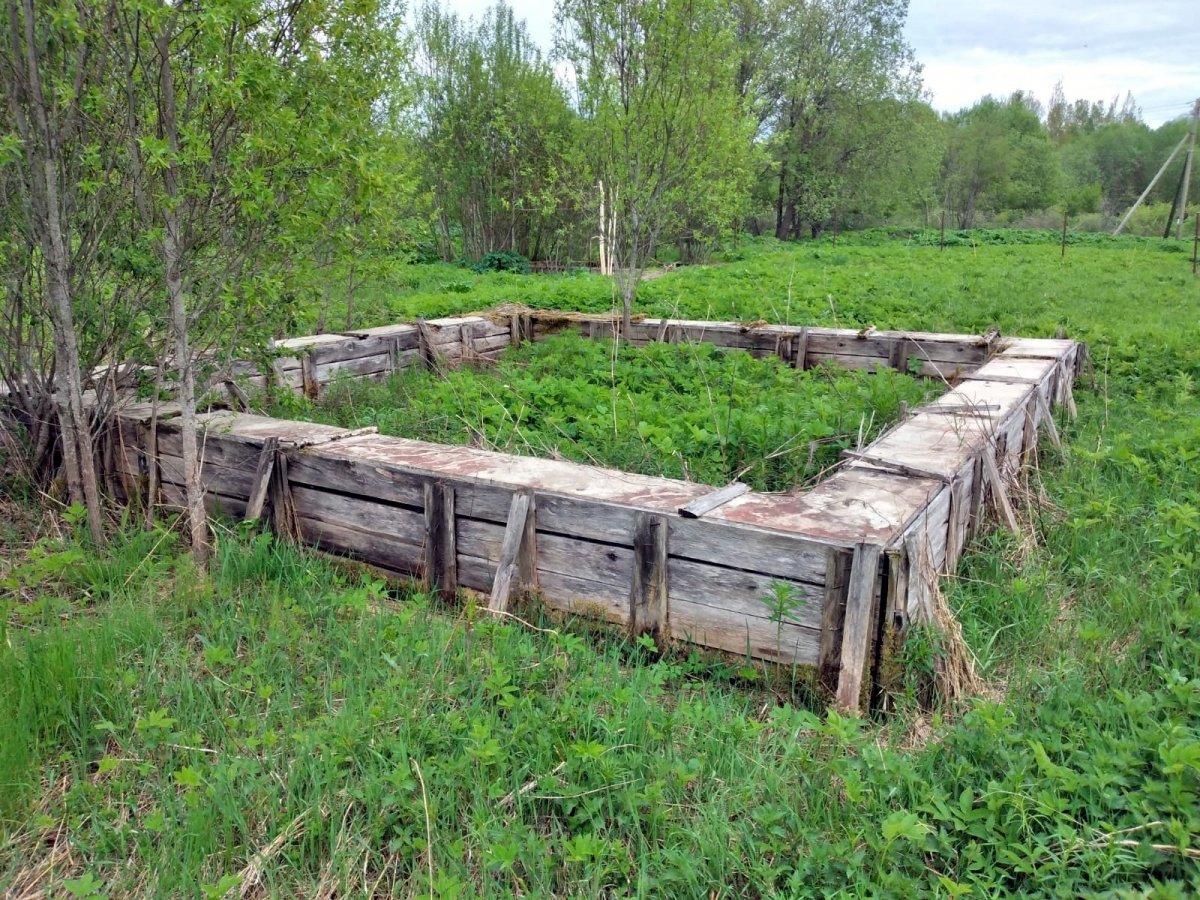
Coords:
284,520
514,331
426,349
801,360
976,511
895,611
237,395
648,612
393,352
709,502
435,536
449,573
833,612
517,552
308,375
1029,433
861,598
999,492
262,478
898,357
1048,421
954,535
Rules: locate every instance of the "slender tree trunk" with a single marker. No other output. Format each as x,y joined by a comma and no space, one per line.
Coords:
173,252
78,453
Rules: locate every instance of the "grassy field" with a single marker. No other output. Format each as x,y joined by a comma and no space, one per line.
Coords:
282,727
682,411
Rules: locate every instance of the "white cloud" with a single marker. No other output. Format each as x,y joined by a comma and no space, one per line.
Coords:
1099,48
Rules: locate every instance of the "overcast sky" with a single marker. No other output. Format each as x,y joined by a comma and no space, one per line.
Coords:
1099,48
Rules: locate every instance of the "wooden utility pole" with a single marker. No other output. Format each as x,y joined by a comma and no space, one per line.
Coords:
1150,187
1187,170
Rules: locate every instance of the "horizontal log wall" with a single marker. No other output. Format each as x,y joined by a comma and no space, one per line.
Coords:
310,364
368,497
860,552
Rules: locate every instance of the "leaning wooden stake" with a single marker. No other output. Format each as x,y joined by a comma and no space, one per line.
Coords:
1048,421
856,629
996,483
516,552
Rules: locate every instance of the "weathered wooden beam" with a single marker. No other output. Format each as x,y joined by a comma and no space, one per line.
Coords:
898,357
1048,421
967,409
304,443
262,478
892,466
999,492
237,394
435,535
833,613
648,611
861,598
449,570
516,563
801,359
308,374
706,504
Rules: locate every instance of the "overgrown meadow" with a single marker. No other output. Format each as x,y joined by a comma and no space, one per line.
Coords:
681,411
288,727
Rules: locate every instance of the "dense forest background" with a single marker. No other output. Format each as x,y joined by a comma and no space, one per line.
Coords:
817,119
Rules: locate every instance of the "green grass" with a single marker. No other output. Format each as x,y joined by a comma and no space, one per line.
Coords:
168,729
687,410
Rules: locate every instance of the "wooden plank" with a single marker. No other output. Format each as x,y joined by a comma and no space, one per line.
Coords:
1048,421
833,612
861,597
354,347
371,547
363,515
217,479
739,592
792,557
709,502
262,478
896,602
742,635
801,359
300,443
999,493
357,367
648,609
893,466
512,549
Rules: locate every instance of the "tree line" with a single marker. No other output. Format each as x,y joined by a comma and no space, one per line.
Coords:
177,177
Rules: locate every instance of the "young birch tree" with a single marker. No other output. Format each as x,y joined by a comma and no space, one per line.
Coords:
56,156
666,129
